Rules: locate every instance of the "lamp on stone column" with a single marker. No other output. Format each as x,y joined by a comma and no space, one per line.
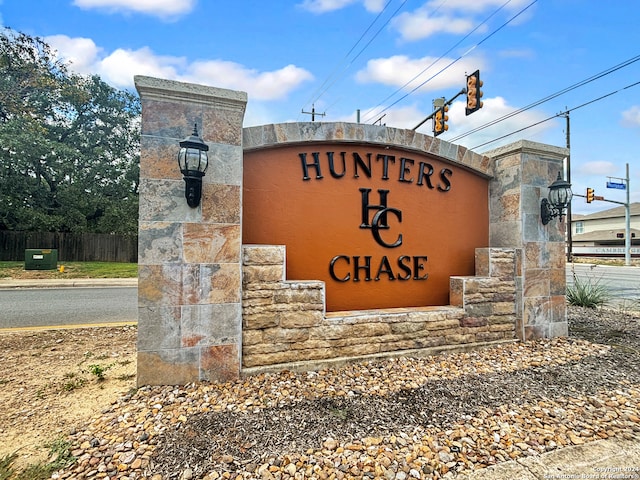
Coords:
558,200
193,162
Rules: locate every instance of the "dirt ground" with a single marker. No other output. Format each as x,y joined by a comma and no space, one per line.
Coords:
51,385
54,381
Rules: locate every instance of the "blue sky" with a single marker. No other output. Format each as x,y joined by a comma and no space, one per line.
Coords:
387,58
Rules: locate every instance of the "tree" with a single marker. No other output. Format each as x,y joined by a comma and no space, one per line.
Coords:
69,145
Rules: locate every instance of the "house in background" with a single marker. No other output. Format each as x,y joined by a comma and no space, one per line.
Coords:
602,233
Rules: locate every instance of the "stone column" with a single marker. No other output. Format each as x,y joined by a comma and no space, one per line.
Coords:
189,260
522,172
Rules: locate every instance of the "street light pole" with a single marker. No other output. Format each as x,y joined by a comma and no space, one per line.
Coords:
627,213
627,233
569,222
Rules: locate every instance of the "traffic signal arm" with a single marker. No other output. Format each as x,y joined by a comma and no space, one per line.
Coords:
446,104
598,197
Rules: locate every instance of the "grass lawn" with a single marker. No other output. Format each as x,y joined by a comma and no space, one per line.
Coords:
16,270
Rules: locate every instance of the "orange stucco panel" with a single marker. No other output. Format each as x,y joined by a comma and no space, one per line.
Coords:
382,227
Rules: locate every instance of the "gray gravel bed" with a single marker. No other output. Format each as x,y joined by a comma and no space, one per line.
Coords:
207,439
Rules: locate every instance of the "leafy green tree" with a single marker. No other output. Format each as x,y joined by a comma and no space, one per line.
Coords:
69,145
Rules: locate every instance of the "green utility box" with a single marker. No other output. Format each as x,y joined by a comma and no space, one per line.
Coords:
41,259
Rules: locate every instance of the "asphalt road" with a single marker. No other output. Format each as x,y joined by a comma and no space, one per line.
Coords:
27,307
622,282
38,307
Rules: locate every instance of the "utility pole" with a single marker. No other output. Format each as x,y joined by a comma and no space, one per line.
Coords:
569,223
313,113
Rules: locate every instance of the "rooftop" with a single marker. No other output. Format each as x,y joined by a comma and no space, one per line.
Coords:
610,213
609,235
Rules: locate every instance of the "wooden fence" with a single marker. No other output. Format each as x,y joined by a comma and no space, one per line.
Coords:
72,247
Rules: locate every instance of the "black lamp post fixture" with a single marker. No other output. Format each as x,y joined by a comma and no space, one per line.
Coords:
193,162
558,200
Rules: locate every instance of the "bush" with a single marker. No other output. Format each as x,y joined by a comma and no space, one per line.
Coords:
587,293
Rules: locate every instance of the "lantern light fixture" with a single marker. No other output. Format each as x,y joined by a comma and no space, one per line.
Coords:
193,162
558,200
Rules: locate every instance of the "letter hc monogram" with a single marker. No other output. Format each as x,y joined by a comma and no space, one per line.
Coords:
379,220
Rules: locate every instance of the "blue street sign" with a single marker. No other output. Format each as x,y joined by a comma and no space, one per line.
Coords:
619,186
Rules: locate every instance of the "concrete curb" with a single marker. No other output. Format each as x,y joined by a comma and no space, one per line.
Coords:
69,283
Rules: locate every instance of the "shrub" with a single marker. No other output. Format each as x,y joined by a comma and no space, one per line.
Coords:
99,370
587,293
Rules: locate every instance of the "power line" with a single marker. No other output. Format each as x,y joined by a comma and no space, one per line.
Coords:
363,48
349,52
321,90
441,56
557,115
461,56
550,97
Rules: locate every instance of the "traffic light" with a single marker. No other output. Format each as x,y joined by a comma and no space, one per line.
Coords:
590,194
440,120
474,94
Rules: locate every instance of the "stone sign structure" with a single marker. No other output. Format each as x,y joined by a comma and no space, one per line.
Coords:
383,224
320,243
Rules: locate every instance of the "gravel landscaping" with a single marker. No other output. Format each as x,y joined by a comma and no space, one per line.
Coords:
431,417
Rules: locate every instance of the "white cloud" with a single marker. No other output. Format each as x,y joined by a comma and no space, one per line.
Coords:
323,6
494,108
402,117
454,16
260,85
631,117
81,52
476,5
410,116
399,69
257,113
598,167
374,5
419,25
118,68
159,8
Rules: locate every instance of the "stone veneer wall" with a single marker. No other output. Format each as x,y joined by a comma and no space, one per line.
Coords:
189,265
522,172
264,136
285,325
211,309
